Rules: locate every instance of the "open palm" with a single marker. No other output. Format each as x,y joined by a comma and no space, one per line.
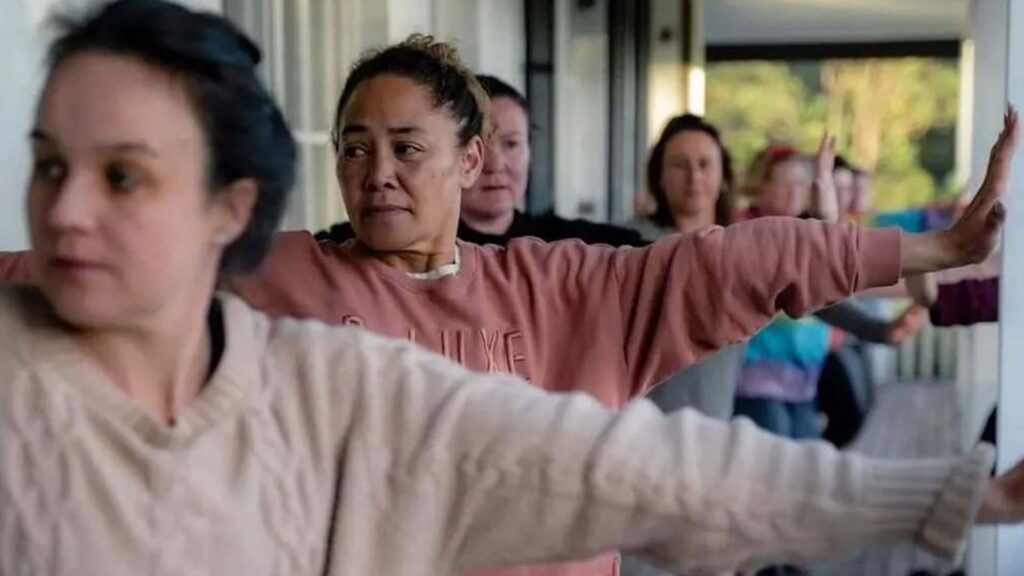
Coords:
975,234
824,196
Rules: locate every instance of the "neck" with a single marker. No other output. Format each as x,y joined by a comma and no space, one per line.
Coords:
493,225
161,368
418,262
693,222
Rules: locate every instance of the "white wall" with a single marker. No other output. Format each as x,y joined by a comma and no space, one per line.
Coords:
408,16
21,69
22,43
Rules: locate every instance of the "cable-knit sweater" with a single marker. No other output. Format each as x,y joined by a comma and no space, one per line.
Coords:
315,450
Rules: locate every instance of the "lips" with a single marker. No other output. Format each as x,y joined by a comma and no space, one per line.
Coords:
73,268
493,187
74,263
384,210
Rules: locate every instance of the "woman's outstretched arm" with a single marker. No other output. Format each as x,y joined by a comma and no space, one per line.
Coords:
463,470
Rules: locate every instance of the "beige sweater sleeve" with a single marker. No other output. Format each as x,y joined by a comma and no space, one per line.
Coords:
469,470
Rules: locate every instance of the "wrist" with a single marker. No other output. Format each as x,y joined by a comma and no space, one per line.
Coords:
927,252
993,507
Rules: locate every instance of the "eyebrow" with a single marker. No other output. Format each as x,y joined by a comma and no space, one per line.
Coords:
360,129
39,135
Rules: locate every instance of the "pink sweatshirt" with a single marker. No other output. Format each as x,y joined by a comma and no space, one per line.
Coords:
568,316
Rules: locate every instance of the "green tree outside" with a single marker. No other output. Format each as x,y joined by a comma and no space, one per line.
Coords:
893,117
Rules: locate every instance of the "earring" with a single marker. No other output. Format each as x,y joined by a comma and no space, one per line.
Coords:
222,239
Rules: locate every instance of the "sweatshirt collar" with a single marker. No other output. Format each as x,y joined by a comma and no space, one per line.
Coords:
456,277
450,269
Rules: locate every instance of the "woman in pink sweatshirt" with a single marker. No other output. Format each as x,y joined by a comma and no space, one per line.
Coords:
150,425
409,133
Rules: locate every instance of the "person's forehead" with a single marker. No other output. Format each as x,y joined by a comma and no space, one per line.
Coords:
692,141
391,100
508,116
146,105
793,165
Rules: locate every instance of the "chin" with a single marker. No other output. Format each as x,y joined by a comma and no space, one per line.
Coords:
485,215
85,311
380,240
696,207
489,207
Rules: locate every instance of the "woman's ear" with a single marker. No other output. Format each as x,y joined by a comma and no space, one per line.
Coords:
233,206
472,161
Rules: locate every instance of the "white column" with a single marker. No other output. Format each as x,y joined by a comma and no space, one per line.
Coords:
983,98
207,5
501,47
1010,540
582,96
983,65
695,66
490,34
666,80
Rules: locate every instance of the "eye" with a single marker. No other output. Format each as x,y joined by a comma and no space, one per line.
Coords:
510,145
353,152
49,170
406,149
120,179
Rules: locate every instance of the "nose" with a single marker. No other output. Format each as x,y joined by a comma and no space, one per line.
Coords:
493,159
74,205
381,175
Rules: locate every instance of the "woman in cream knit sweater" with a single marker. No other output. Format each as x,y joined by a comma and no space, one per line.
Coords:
151,426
